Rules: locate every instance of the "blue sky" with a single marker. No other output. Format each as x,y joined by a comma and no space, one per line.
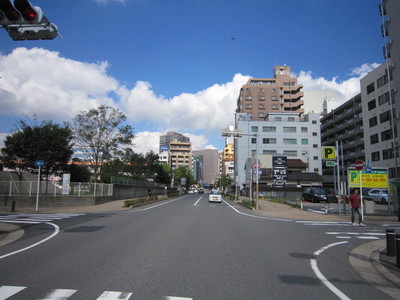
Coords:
178,65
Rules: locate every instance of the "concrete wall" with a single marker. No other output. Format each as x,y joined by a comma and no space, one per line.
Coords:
120,192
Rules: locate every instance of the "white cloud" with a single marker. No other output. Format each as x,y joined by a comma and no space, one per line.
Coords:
41,82
336,92
210,109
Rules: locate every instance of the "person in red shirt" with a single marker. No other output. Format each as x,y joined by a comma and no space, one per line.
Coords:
355,205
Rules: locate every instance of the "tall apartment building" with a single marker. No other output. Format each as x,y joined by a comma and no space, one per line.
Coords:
390,13
260,96
175,150
209,159
345,126
295,135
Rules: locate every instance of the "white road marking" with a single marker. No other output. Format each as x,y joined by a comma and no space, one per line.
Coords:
59,294
176,298
114,296
198,200
255,216
7,291
56,231
313,263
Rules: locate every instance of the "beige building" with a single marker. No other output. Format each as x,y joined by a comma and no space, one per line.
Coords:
209,165
180,154
260,96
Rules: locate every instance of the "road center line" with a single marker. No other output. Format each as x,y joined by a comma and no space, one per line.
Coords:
326,282
56,231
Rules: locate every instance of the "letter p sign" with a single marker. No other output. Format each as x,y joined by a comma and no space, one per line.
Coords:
328,153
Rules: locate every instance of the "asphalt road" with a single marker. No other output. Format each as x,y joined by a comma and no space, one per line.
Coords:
185,247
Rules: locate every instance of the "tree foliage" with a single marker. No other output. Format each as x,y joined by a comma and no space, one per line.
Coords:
100,133
46,141
183,172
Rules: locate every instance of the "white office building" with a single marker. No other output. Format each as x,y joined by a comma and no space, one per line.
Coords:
293,134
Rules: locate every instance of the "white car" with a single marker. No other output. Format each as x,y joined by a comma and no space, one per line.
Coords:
378,196
215,196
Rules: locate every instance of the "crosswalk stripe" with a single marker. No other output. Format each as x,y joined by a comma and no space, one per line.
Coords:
114,296
59,294
36,218
7,291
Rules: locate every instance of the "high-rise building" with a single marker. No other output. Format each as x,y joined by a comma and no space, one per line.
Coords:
390,28
176,150
260,96
209,159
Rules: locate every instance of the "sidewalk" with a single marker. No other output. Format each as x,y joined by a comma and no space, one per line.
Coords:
375,267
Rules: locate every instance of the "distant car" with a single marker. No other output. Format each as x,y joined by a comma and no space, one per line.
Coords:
215,196
317,194
378,196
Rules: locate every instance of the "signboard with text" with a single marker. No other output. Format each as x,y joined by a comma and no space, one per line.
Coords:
376,178
279,164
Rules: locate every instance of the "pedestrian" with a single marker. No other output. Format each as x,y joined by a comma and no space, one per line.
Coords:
355,205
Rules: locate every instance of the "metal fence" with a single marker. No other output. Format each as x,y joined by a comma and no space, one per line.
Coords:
56,188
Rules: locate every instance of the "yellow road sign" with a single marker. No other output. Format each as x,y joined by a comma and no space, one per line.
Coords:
328,153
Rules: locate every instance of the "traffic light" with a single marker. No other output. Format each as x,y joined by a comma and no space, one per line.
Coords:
23,21
22,12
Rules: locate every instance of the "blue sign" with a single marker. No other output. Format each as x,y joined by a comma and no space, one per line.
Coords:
39,163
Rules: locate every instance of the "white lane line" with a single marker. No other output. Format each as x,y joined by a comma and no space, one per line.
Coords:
198,200
177,298
114,296
255,216
56,231
59,294
7,291
313,263
154,206
22,222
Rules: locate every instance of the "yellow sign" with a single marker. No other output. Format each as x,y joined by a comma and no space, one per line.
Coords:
375,179
328,153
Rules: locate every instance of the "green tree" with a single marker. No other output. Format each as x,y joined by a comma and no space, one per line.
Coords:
183,172
46,141
100,133
79,172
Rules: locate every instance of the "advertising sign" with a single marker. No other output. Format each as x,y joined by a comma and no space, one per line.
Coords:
376,178
65,184
279,164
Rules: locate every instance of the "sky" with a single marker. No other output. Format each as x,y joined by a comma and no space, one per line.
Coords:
178,65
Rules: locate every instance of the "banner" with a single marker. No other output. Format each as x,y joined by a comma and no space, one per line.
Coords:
376,178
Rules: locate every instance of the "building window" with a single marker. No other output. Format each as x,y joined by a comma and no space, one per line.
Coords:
315,133
261,106
384,117
374,139
269,152
384,98
386,135
254,128
375,156
254,140
290,141
315,145
382,80
370,88
387,154
304,129
248,97
289,129
248,106
269,141
290,152
371,104
373,122
304,141
313,122
276,107
315,158
291,119
261,98
269,129
278,119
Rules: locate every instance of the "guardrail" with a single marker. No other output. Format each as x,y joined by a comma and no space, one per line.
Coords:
56,188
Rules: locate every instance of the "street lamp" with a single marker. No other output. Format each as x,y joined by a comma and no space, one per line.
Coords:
236,133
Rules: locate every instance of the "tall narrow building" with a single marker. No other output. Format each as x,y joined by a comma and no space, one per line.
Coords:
260,96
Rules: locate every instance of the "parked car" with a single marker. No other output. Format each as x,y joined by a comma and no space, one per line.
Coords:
378,196
215,196
317,194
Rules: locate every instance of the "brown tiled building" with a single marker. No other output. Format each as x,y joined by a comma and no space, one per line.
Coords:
260,96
